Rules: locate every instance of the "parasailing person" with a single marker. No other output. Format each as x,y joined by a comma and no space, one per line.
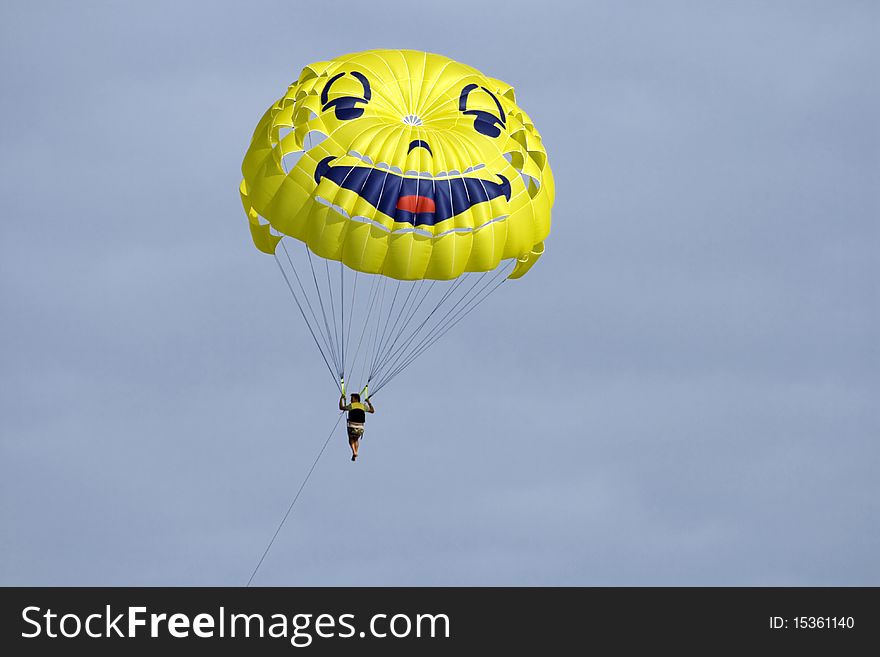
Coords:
357,411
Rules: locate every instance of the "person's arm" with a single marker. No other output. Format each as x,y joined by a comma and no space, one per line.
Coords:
342,402
369,405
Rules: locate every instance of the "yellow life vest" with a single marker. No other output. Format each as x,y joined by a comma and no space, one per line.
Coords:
357,412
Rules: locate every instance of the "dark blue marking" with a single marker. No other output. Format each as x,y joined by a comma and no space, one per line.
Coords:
382,189
484,122
418,143
345,107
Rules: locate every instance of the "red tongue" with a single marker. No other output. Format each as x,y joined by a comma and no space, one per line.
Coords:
416,204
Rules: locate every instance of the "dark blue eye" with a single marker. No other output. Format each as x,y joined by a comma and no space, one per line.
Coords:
345,107
485,122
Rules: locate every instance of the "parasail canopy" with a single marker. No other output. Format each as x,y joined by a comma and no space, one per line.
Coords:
396,190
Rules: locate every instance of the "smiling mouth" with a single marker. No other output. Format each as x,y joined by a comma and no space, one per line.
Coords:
419,201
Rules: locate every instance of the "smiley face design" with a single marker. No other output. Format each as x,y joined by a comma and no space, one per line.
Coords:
401,163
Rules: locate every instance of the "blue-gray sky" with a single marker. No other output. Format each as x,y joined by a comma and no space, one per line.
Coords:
680,392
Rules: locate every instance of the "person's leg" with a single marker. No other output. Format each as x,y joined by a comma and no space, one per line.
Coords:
354,436
353,442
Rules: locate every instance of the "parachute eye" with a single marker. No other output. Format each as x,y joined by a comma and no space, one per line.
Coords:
345,107
485,122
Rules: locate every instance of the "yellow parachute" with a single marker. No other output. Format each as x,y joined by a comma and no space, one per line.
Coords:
407,169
